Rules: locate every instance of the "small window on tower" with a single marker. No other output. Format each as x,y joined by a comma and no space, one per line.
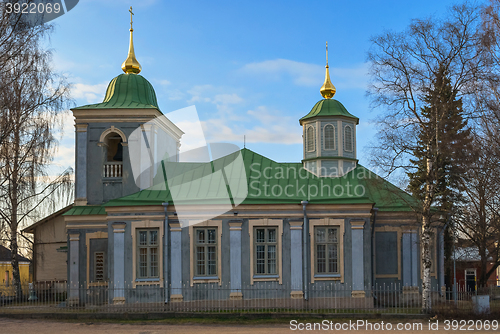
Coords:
348,140
310,139
114,156
115,148
329,132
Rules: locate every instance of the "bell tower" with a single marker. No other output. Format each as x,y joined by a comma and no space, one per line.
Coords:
102,166
329,134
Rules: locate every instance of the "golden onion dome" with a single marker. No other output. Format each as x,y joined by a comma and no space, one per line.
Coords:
328,89
131,65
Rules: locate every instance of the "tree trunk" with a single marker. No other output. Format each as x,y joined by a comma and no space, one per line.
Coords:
426,236
16,277
483,279
426,264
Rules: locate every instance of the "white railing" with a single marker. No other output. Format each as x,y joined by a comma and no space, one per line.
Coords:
112,169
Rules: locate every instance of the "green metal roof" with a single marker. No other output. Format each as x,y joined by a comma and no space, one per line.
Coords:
131,91
86,210
261,174
328,107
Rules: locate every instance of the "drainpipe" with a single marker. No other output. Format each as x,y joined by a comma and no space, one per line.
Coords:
375,211
305,234
166,271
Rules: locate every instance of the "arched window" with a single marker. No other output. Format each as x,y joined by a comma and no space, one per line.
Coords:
112,140
310,139
329,140
114,147
348,140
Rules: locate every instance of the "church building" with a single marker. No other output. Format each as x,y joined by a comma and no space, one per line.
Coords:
302,228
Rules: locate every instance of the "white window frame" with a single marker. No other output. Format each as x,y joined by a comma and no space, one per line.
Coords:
145,225
333,138
278,224
205,245
148,247
327,222
308,138
345,137
326,243
192,254
88,237
266,244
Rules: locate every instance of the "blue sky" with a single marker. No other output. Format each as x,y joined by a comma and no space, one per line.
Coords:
251,68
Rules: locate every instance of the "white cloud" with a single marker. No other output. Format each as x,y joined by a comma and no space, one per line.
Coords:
265,116
198,93
164,87
304,74
227,99
65,156
62,64
221,97
164,82
68,124
175,94
90,93
266,126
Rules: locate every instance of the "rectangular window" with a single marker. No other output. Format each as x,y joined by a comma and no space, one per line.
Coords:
7,279
205,246
326,245
265,250
386,253
147,254
99,267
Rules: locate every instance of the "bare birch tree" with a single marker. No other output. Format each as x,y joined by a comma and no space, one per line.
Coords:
479,216
403,67
31,98
16,35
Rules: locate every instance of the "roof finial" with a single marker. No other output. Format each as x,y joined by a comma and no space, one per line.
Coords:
131,65
132,13
328,89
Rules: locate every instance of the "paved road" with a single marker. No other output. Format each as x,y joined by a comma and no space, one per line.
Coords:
31,326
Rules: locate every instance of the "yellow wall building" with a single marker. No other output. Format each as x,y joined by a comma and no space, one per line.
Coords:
6,288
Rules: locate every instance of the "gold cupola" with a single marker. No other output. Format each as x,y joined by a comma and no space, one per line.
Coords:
131,65
328,89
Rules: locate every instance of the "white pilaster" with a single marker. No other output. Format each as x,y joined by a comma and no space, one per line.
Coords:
81,164
358,287
119,262
175,262
74,269
296,256
235,258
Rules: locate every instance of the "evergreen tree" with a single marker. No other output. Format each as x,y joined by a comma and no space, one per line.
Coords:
444,140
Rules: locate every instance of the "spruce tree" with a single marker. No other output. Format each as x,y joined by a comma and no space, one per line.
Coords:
445,140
